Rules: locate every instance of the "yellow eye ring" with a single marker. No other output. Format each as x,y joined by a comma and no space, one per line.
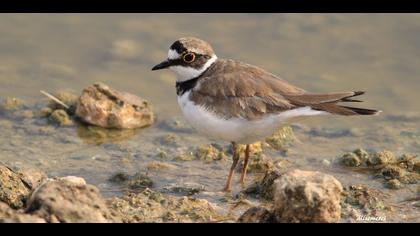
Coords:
188,57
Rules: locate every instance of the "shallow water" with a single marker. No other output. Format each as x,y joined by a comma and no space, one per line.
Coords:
377,53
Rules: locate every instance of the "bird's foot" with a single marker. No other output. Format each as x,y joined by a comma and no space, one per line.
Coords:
227,189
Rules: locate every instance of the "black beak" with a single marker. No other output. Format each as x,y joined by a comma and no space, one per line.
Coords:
162,65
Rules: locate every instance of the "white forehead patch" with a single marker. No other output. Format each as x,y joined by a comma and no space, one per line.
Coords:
172,54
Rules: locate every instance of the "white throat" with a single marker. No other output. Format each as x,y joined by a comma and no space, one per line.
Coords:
187,73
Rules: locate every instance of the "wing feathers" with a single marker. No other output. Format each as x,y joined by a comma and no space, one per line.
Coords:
315,98
234,89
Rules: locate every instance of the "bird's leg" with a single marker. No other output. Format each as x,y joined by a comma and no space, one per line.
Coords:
232,168
244,168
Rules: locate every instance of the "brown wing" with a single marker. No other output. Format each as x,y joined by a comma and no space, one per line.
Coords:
235,89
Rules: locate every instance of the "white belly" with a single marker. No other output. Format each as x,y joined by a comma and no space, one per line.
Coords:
238,130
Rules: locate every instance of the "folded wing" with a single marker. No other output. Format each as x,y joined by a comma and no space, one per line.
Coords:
235,89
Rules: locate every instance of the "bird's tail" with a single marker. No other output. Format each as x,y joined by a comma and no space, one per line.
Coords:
361,111
329,102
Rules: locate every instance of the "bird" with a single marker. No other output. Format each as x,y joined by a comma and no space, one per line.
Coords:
230,100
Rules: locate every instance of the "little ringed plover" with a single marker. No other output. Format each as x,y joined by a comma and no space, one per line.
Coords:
237,102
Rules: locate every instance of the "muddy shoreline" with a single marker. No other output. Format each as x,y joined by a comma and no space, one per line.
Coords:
144,165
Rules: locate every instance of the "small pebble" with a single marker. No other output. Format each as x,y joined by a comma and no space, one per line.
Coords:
11,103
119,177
326,163
393,184
351,159
44,112
61,117
362,154
383,157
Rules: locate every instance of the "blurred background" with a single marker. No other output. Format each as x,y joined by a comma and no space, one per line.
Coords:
378,53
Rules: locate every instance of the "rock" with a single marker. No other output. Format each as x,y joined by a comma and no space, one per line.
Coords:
187,189
257,215
32,177
61,118
362,154
44,112
392,172
363,197
407,161
350,159
410,178
106,107
306,196
265,187
396,172
73,181
8,215
355,158
258,164
282,139
69,200
381,158
119,177
16,186
157,165
256,149
184,156
11,103
209,153
393,184
282,164
326,163
134,182
150,206
140,181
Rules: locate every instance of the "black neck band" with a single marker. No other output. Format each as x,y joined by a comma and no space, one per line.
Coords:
185,86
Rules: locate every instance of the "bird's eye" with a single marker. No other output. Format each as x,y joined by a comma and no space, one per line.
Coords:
188,57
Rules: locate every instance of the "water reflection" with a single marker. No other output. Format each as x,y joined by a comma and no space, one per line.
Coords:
97,135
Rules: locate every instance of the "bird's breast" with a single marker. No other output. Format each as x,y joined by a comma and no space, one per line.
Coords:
239,130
